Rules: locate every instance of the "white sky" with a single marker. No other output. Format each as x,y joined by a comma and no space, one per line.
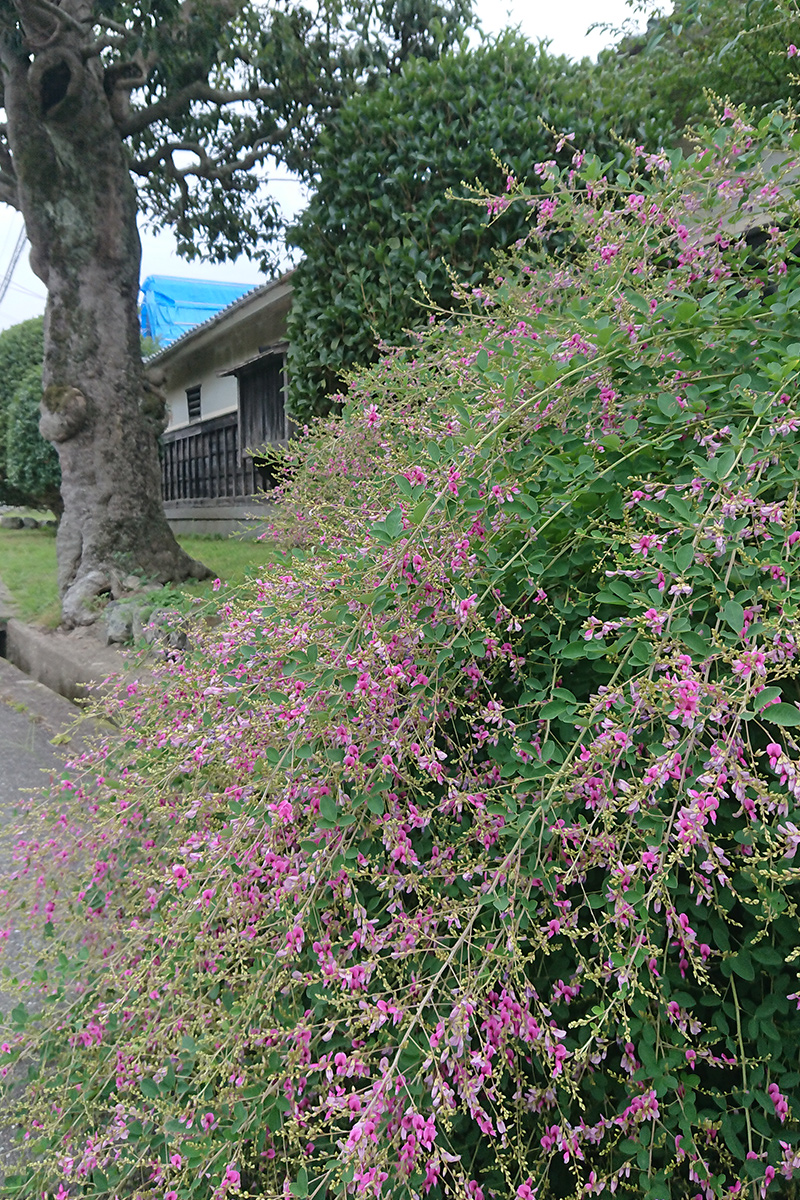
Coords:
563,22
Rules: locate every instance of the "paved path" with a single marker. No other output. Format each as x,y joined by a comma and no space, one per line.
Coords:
30,717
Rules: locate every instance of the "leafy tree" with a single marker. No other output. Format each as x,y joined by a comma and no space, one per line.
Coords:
381,237
28,465
380,234
732,48
31,462
169,108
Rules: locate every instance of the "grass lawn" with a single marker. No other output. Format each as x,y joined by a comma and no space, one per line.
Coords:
28,570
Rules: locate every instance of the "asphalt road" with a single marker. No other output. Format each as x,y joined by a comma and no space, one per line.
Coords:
30,717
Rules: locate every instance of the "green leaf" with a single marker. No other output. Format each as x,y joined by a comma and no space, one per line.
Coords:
638,302
300,1186
782,714
328,808
391,527
685,310
149,1088
482,361
734,615
698,645
766,697
742,964
684,557
576,649
420,511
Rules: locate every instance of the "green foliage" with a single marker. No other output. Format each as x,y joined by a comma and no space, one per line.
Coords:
381,239
32,465
460,859
29,472
733,48
287,66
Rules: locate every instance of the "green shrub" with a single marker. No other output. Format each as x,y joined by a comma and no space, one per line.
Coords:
381,241
459,860
29,471
732,48
32,466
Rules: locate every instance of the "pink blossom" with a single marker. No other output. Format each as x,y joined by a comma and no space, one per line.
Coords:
779,1101
647,542
232,1178
465,607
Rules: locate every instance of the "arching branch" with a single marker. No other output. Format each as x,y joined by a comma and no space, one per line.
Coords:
209,166
31,13
171,106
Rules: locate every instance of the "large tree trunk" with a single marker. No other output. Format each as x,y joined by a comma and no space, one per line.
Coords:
79,206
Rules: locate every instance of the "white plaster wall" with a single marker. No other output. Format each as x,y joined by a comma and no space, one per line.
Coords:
217,396
238,337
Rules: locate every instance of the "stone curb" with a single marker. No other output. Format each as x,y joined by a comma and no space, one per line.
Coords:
56,714
63,663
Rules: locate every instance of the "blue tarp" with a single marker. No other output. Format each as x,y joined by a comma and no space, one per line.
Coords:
171,307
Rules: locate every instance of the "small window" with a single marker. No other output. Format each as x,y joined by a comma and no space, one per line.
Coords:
193,402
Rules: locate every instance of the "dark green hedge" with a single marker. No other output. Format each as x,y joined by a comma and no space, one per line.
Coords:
381,233
29,470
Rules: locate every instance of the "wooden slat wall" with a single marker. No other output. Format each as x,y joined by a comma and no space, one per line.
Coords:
201,462
209,459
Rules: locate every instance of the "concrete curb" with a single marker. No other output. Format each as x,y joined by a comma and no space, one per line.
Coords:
53,712
66,664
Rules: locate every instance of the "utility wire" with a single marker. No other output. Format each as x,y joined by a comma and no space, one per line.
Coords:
15,257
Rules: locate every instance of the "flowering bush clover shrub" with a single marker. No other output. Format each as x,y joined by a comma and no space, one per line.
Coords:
460,859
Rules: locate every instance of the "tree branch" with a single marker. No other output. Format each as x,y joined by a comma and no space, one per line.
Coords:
209,167
170,106
8,191
114,26
26,9
107,42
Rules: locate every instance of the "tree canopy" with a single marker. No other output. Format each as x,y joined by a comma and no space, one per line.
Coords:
737,49
383,241
204,94
29,472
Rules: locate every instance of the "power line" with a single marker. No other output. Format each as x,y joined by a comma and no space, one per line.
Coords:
17,287
15,257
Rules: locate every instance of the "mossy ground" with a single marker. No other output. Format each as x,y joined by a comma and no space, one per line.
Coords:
28,570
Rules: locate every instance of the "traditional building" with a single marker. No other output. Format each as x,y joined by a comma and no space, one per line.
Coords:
225,382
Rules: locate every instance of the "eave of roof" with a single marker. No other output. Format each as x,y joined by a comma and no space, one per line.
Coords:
243,301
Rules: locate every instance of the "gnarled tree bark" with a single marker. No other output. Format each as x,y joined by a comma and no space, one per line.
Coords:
76,194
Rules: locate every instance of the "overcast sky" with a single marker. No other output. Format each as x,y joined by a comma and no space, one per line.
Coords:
563,22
